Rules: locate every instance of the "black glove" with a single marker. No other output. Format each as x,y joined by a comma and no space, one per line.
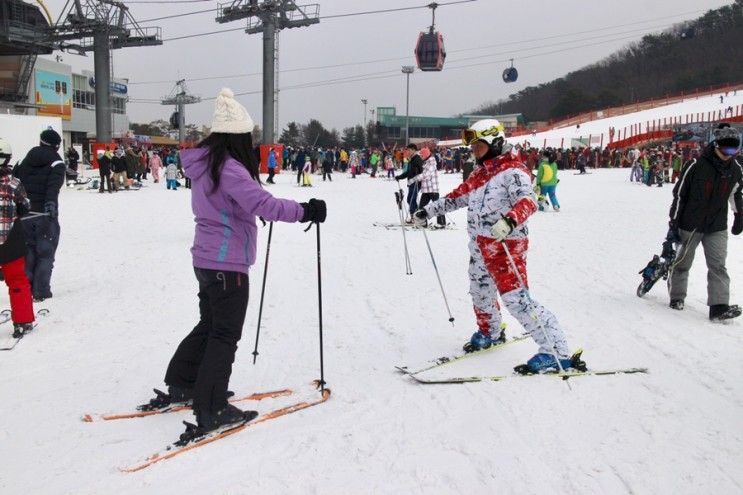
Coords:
50,209
737,224
673,232
314,211
668,252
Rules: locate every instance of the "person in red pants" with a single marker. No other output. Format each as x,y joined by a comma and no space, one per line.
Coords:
13,204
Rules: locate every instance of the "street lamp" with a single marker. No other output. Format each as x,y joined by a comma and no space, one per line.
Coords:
364,101
407,70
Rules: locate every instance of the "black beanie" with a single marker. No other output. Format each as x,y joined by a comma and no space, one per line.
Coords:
50,138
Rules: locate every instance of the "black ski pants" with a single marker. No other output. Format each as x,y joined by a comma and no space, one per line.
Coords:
42,239
203,360
427,198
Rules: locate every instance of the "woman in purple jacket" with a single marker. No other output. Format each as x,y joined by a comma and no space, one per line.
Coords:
226,197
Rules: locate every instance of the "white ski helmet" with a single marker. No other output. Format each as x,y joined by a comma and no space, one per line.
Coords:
487,130
5,150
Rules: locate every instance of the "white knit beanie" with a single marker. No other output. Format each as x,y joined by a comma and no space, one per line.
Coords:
230,117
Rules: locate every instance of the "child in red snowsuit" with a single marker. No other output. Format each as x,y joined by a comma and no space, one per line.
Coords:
13,204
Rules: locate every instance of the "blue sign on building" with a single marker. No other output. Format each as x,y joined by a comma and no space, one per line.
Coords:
115,87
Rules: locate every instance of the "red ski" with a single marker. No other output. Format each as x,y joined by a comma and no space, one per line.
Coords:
89,418
172,450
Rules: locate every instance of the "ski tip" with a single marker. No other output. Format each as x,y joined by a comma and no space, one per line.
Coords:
87,418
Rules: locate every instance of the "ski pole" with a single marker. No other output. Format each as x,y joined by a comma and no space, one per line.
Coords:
398,199
533,313
436,269
33,214
319,306
263,292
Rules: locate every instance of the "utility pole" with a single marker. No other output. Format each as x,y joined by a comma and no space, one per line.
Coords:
269,17
407,70
101,26
180,98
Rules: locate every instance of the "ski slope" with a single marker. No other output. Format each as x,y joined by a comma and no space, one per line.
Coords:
696,107
125,294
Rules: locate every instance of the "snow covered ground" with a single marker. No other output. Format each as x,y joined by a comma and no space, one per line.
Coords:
125,294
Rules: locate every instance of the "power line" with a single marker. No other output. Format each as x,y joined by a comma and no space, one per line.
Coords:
335,16
318,67
390,74
166,1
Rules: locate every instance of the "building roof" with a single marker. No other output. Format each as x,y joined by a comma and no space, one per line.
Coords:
387,116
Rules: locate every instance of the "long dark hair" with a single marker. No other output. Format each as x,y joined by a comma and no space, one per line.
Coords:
222,146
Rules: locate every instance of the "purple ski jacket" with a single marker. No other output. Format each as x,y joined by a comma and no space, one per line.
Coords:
226,231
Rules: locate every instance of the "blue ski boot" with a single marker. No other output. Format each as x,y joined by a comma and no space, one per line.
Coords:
480,340
545,363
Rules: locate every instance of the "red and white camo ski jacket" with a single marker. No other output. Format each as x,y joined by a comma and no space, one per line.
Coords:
501,187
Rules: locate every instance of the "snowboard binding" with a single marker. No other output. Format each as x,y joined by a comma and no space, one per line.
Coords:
659,267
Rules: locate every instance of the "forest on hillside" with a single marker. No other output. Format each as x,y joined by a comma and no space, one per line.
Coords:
695,54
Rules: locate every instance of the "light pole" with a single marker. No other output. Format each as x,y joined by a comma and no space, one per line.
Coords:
407,70
364,101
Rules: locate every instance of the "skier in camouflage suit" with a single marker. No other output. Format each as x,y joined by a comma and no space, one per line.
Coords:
499,200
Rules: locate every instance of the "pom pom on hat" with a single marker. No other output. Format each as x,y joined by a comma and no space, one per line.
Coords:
230,117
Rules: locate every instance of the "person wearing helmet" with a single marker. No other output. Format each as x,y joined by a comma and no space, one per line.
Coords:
499,200
42,174
13,205
699,213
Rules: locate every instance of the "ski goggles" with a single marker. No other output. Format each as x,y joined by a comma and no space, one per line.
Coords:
469,136
729,150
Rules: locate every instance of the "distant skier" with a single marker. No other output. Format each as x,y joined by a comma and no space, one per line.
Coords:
699,213
13,205
547,177
226,198
271,165
415,167
499,200
428,180
307,172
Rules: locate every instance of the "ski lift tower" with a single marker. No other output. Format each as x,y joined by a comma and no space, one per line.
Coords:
269,17
180,98
101,26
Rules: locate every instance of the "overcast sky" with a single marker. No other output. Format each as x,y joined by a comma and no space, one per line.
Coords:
479,37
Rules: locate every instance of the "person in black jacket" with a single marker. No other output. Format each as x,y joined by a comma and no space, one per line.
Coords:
42,174
699,213
105,162
119,168
415,167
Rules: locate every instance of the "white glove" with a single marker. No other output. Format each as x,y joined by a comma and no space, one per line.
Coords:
502,228
420,218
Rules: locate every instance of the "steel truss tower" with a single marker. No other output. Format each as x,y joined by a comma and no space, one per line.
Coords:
180,98
101,26
269,17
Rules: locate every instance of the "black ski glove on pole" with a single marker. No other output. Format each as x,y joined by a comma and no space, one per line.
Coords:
314,211
737,224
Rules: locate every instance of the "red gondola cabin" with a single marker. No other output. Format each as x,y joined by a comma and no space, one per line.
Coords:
429,51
